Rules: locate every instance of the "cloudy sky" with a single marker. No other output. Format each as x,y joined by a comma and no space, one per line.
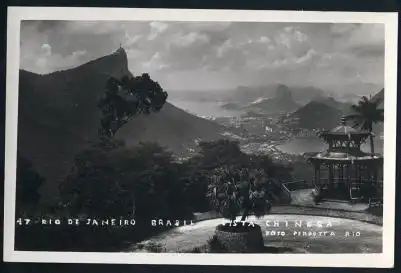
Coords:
211,55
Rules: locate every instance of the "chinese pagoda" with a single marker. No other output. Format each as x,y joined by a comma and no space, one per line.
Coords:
345,172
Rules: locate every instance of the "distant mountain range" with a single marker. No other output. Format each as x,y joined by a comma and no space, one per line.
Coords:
325,113
283,101
58,114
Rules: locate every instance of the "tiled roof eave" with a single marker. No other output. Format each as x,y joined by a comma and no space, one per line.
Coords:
350,158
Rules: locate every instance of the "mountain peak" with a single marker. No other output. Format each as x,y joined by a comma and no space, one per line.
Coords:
283,92
282,102
114,64
120,50
317,114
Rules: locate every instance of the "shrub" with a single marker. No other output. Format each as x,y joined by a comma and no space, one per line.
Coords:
234,190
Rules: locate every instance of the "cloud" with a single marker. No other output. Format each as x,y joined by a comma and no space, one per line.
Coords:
46,50
290,37
206,26
283,39
94,27
299,36
156,28
45,61
155,63
287,45
131,40
224,48
366,40
188,39
341,29
244,52
183,50
264,39
309,57
78,54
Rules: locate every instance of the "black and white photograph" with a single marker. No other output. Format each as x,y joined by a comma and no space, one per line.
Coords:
135,135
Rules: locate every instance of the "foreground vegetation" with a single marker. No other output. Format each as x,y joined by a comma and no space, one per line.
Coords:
145,183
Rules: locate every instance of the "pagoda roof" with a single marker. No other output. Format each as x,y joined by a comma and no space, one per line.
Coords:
345,156
344,130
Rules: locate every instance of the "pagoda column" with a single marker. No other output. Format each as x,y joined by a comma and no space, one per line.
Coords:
375,176
355,179
342,172
317,174
347,176
341,175
330,182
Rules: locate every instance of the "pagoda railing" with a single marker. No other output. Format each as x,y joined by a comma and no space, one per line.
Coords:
354,182
283,189
297,185
358,189
286,191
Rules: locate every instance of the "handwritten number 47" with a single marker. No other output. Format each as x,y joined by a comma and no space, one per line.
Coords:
21,221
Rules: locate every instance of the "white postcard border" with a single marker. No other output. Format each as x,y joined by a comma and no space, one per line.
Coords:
16,14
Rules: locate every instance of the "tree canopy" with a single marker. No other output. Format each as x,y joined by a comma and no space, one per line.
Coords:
28,183
124,98
143,180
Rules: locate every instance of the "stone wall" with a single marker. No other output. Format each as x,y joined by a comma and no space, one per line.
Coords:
241,242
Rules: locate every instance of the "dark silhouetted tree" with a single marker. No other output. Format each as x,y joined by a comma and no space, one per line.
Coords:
27,186
144,180
126,98
221,152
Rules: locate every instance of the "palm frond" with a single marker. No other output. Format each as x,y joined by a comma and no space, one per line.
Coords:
366,113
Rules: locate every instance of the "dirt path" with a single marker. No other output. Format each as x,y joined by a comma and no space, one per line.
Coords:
329,212
312,239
